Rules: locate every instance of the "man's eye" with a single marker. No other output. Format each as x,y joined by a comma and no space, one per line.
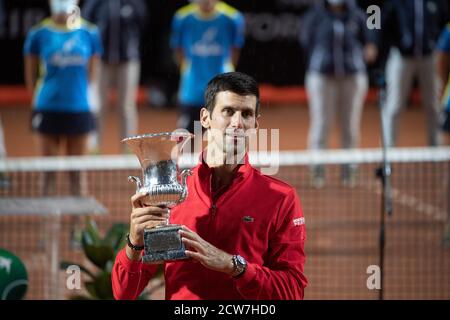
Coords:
228,112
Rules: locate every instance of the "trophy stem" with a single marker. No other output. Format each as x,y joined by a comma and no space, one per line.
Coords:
166,221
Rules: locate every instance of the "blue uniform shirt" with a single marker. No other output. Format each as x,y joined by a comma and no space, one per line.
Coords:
64,56
444,45
206,44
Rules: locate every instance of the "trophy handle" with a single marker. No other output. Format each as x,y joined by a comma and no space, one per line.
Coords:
184,174
137,181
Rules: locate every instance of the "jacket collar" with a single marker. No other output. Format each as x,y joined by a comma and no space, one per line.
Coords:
203,179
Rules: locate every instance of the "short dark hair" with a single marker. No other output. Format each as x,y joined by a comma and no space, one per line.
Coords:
236,82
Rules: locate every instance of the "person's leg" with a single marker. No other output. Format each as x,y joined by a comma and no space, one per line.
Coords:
430,100
445,126
49,145
321,94
446,139
77,145
446,237
2,141
95,101
128,83
4,181
187,118
399,76
351,96
106,76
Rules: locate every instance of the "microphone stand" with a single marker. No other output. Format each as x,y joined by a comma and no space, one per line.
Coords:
384,174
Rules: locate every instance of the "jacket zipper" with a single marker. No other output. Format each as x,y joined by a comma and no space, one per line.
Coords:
213,210
214,207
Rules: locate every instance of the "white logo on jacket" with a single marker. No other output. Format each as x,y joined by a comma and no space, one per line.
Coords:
299,221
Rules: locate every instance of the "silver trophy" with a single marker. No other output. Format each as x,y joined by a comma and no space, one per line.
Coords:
158,155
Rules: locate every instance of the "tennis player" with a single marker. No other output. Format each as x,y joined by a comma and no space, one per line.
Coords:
244,231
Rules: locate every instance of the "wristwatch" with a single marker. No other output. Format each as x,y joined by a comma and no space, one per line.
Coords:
239,264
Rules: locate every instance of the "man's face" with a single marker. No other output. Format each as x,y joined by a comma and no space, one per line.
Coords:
62,7
230,122
207,5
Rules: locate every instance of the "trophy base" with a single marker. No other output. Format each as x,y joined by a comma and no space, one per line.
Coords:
162,244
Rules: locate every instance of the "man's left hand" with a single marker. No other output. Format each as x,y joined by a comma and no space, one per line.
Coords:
208,255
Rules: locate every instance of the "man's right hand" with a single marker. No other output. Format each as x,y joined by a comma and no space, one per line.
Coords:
143,217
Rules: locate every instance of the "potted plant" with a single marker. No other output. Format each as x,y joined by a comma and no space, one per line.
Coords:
101,252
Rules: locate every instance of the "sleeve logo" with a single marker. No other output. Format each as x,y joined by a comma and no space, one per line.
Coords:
299,221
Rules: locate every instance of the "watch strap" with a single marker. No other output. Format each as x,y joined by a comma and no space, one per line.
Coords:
239,268
132,246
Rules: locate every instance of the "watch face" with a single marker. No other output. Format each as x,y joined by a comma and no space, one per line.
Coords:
241,260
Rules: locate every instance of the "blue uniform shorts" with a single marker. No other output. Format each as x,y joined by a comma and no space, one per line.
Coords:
63,123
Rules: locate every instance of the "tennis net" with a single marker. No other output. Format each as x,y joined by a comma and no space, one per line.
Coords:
342,218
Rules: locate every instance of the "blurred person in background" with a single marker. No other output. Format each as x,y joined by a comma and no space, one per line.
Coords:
411,29
61,54
121,23
2,141
443,71
207,36
4,181
338,46
2,19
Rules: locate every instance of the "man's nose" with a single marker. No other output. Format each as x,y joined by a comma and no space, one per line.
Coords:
236,120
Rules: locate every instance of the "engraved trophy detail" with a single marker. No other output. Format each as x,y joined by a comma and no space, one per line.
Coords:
165,187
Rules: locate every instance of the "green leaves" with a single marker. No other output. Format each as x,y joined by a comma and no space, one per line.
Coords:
95,248
101,251
101,286
98,254
116,236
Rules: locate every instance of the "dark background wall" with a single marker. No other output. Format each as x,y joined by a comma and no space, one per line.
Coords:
271,53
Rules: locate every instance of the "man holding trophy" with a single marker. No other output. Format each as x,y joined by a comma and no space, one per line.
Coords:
241,233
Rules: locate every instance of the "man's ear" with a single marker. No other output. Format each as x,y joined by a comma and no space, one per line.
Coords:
205,118
257,122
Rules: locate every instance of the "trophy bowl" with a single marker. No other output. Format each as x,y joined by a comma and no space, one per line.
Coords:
165,187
